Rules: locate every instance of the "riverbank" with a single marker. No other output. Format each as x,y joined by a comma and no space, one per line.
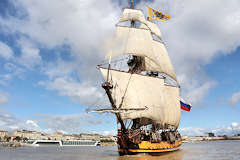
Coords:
10,144
199,138
108,144
19,144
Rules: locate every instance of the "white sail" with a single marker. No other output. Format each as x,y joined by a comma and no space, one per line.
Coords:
139,42
130,40
154,29
138,91
132,15
137,15
162,62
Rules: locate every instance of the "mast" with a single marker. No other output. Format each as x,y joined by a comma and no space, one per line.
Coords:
123,138
132,7
107,86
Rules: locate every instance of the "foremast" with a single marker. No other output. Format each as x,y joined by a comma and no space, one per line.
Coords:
123,138
107,86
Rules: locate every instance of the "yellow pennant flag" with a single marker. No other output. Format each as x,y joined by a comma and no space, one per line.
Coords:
156,15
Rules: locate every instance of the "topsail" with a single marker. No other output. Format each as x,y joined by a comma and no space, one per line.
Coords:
137,15
139,42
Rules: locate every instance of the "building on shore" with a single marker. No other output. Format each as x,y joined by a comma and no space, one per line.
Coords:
25,134
185,137
3,134
45,137
87,136
209,134
108,139
57,136
71,137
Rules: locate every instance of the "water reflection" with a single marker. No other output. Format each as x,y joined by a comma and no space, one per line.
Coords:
177,155
220,150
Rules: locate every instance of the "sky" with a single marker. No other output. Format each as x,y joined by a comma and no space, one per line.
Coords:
49,51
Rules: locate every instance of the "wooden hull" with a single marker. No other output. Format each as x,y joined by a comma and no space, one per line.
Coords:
151,148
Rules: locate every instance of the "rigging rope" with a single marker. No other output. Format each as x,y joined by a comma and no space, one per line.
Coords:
125,91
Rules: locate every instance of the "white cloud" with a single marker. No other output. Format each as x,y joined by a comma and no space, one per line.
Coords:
5,51
233,129
68,123
234,99
190,131
71,123
5,78
197,32
10,67
12,71
82,25
230,130
196,93
60,68
83,93
29,54
32,123
109,133
235,124
8,122
3,98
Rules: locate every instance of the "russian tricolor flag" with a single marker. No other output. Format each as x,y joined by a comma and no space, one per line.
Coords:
185,106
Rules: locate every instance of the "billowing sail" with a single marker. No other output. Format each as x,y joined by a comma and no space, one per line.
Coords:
139,91
131,40
132,14
154,29
137,15
162,61
139,42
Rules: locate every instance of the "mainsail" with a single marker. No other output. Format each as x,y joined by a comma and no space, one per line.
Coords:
134,90
139,91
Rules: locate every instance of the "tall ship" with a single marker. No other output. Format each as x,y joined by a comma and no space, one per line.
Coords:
141,86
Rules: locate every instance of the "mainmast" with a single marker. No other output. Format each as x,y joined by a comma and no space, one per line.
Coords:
132,7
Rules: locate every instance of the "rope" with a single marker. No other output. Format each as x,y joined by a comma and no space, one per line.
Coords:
125,91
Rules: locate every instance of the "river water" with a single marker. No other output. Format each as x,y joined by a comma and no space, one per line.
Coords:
218,150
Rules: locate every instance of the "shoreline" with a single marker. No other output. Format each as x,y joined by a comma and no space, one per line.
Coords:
103,144
206,139
21,144
10,144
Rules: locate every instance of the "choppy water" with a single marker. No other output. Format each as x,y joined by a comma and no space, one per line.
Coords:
221,150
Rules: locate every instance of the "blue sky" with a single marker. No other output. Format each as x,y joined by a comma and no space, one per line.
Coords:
49,50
